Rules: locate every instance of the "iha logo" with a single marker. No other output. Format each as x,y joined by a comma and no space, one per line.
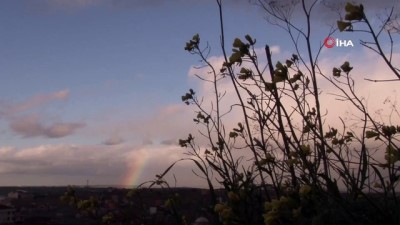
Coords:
331,42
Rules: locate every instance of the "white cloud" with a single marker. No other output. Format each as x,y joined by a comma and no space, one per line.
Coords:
113,164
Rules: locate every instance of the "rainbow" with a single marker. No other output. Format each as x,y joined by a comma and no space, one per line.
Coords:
136,166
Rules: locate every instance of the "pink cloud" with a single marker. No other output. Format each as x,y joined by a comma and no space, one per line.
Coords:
31,126
102,164
34,102
114,140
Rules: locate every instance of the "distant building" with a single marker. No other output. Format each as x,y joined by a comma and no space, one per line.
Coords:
20,194
7,214
201,221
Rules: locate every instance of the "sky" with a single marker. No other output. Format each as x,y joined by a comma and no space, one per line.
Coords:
90,89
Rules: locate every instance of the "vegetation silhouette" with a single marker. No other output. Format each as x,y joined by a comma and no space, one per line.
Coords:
283,163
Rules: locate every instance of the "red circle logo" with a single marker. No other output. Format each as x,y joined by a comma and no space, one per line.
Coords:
329,42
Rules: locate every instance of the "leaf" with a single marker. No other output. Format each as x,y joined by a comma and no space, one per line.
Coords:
336,72
331,133
305,190
388,131
196,38
182,143
278,78
233,134
343,25
236,57
378,173
305,150
295,77
370,134
346,67
269,86
245,74
159,177
199,166
281,73
331,186
364,165
306,129
250,40
289,63
392,154
354,12
279,65
237,43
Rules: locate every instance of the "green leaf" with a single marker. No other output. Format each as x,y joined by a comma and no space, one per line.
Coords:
250,40
331,133
346,67
378,173
370,134
196,38
243,77
388,131
245,74
278,78
354,12
391,155
237,43
182,143
279,65
289,63
280,73
305,150
236,57
336,72
343,25
233,134
306,129
331,186
199,165
269,86
160,176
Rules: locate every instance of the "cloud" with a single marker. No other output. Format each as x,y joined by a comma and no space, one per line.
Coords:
31,126
71,4
169,142
68,5
167,122
61,160
58,130
115,140
99,163
9,109
27,118
156,159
